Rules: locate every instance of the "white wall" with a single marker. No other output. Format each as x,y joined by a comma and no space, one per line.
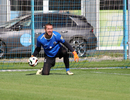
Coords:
3,11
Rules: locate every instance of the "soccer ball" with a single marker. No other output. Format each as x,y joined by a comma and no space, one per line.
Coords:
33,61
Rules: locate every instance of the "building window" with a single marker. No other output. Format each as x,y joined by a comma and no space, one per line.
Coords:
64,4
112,4
25,5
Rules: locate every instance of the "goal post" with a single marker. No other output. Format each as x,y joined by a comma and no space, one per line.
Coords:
32,27
125,36
129,29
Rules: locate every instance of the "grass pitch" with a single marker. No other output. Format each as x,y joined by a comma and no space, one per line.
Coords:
85,84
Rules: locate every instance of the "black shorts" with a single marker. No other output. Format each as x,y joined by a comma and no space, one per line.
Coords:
50,61
61,53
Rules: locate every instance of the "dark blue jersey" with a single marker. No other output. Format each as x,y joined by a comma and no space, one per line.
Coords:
51,46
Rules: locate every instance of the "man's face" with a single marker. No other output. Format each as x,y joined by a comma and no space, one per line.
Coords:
49,29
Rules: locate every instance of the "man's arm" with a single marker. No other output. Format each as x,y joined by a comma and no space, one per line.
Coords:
36,51
72,50
68,46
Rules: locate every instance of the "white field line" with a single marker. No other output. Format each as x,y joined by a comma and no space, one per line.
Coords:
13,70
110,73
19,70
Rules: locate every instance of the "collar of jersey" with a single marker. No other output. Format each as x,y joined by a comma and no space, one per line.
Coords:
46,38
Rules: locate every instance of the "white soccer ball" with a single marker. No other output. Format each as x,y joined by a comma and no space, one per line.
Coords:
33,61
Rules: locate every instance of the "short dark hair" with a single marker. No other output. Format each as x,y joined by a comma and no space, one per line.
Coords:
48,24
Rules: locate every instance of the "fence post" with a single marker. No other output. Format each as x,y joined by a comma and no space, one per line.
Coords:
124,30
32,27
129,28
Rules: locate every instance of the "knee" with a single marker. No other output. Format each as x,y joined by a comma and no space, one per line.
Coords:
45,73
65,52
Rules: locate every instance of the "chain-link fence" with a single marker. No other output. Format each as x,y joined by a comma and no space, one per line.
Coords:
94,28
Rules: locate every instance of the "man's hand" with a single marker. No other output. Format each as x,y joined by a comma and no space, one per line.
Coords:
31,56
76,57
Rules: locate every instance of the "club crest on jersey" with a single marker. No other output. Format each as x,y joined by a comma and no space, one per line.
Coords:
54,43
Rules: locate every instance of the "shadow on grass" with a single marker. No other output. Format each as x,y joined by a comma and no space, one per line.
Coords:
31,74
49,74
57,74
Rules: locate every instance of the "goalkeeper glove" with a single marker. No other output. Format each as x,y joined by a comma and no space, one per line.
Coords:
75,56
32,56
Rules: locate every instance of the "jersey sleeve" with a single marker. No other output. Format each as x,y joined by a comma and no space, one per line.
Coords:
60,38
38,43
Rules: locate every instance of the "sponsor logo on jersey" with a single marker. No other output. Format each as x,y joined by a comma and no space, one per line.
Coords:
50,47
61,38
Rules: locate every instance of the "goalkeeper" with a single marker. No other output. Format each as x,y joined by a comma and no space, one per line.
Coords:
50,41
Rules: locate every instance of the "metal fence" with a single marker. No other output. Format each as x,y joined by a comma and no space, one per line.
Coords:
96,29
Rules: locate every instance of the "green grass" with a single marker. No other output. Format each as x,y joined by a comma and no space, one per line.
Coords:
90,84
81,64
105,53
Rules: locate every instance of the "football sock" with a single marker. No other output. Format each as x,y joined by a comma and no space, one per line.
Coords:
67,69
